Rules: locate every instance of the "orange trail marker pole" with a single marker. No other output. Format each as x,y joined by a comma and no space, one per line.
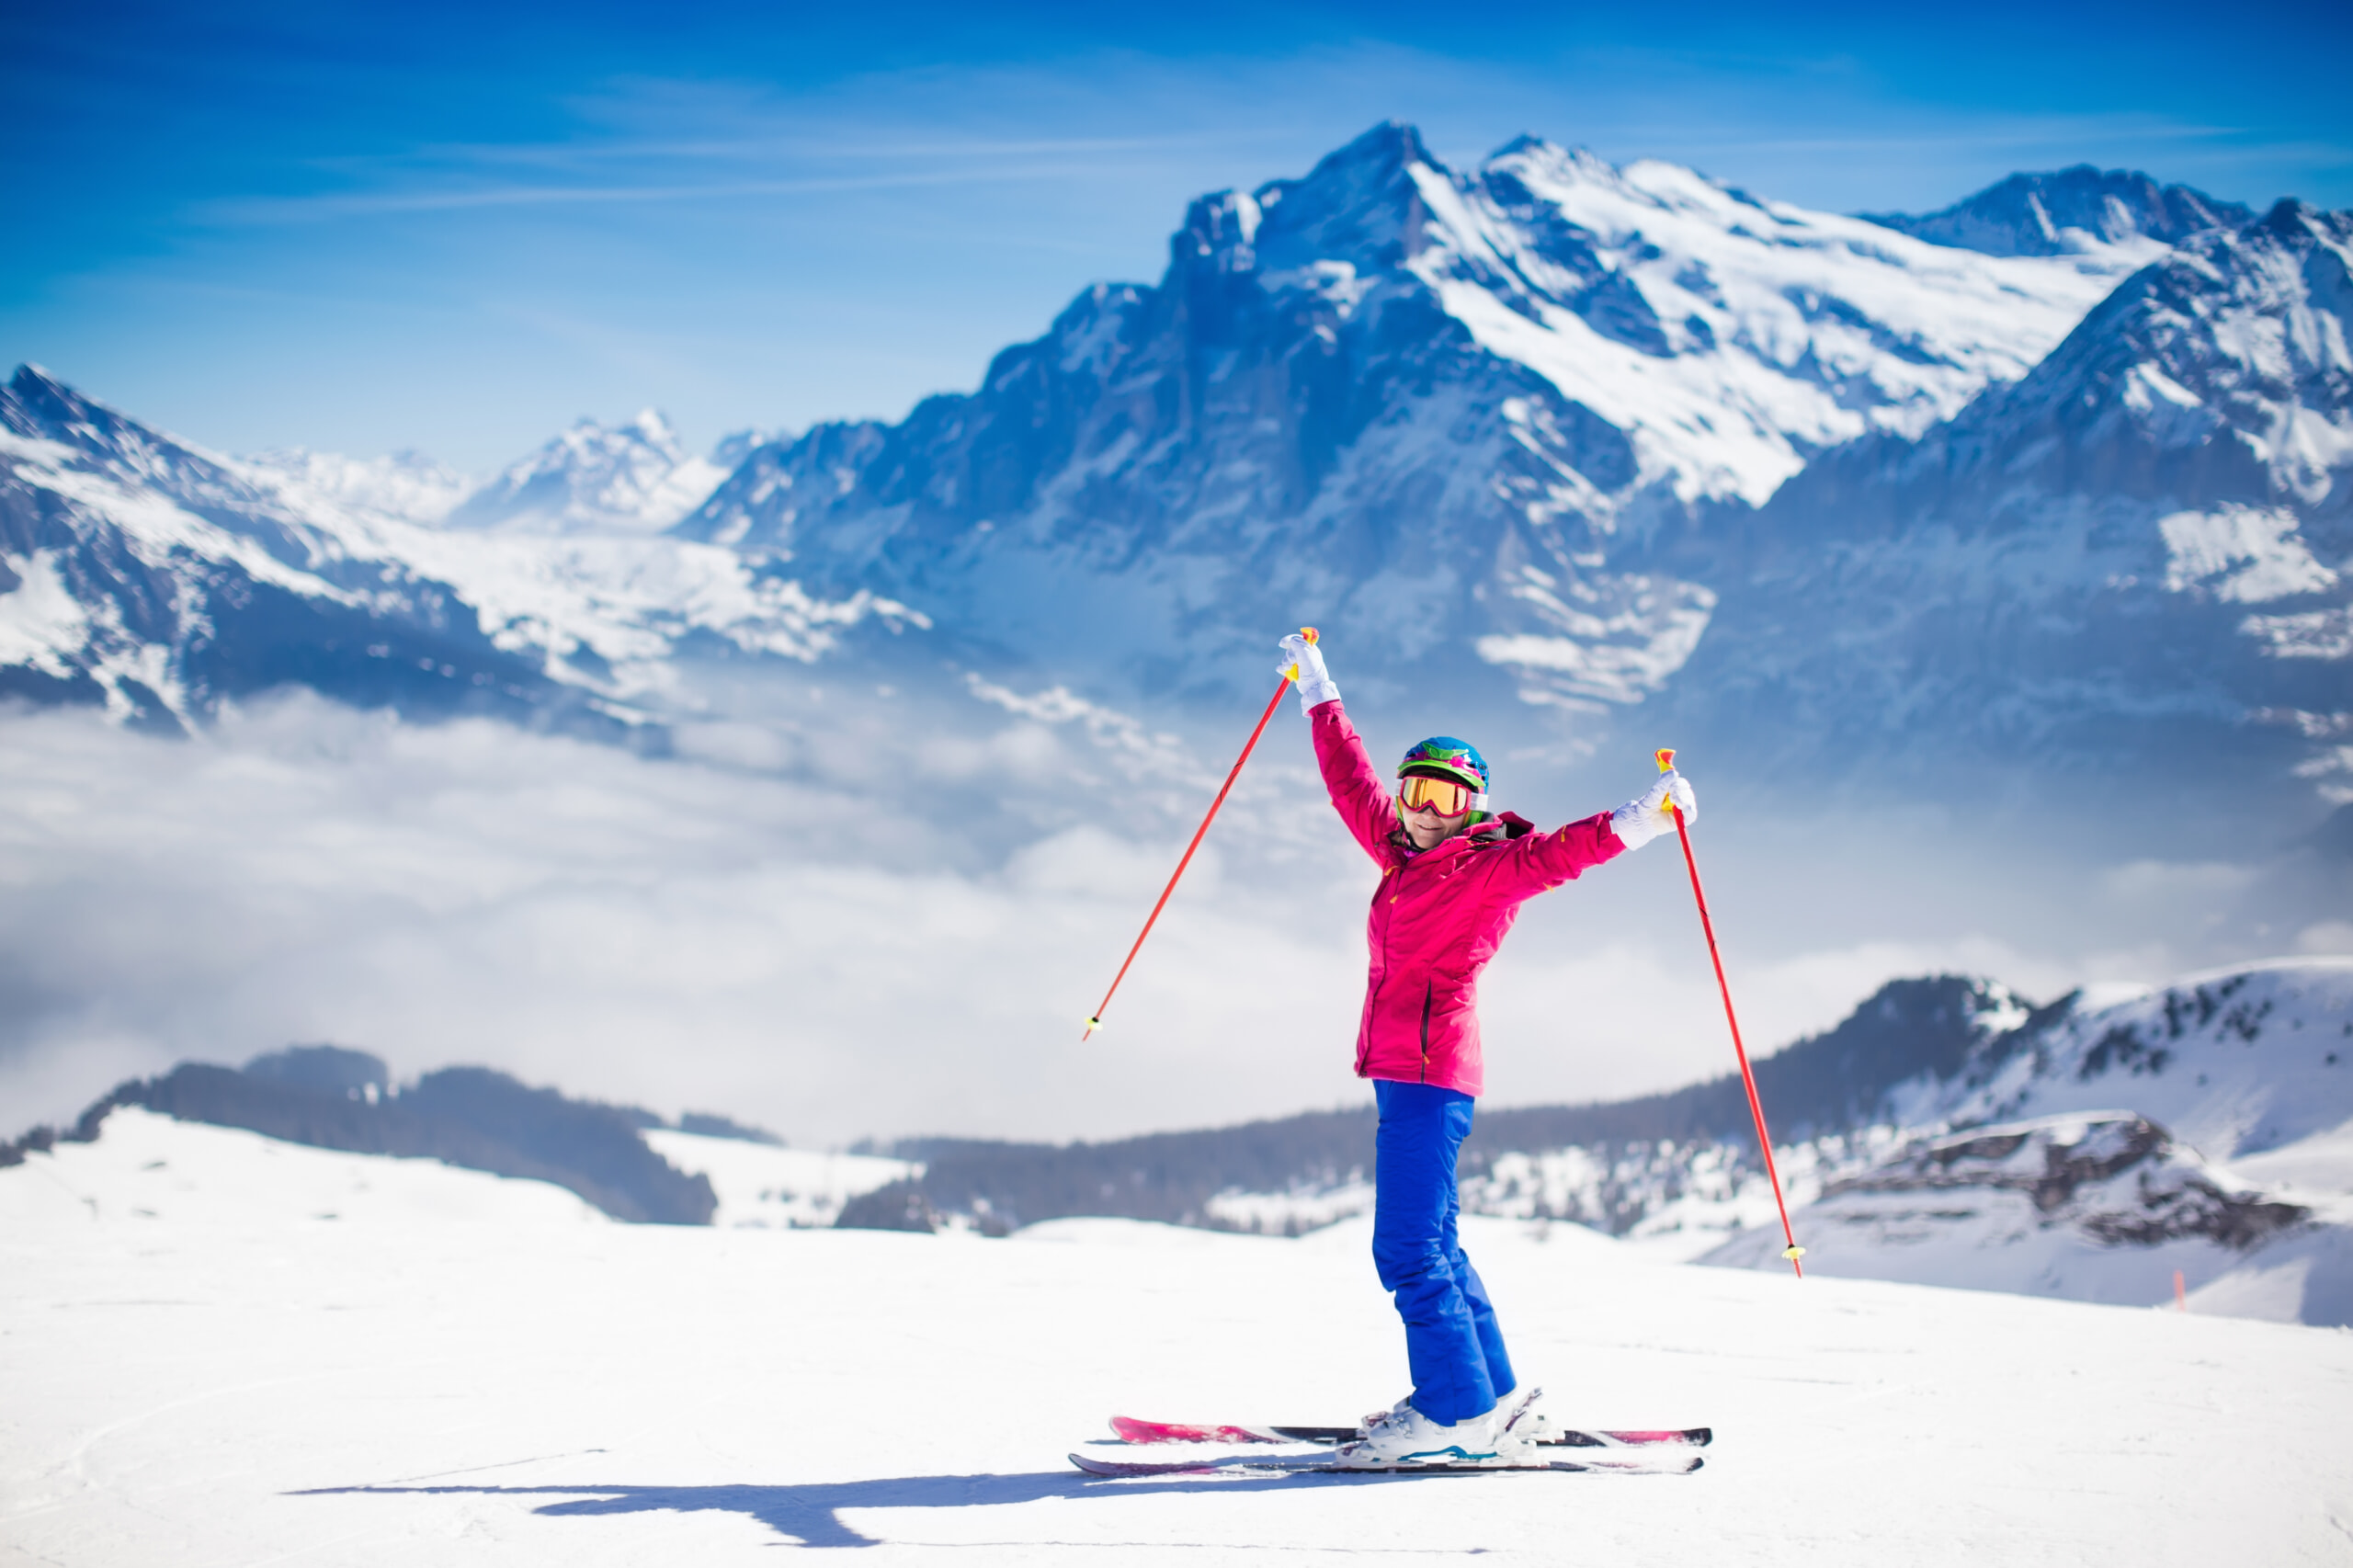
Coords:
1666,756
1094,1020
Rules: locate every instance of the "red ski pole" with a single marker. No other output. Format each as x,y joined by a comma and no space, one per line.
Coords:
1095,1020
1755,1106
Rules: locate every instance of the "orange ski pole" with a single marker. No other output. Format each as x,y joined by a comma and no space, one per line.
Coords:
1793,1252
1095,1021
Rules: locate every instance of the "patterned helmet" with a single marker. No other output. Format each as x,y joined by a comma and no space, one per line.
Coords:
1446,757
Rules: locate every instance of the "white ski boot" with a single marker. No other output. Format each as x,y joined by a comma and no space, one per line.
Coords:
1406,1437
1403,1435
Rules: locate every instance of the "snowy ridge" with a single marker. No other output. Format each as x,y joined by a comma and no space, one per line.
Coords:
2235,1064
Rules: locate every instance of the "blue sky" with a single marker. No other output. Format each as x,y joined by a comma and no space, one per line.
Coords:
456,228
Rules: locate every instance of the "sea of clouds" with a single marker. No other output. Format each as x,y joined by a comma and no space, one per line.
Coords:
866,912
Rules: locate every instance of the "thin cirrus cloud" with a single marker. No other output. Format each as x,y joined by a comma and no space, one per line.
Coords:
283,210
841,239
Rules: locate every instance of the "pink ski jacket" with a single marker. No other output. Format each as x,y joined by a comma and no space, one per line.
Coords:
1437,915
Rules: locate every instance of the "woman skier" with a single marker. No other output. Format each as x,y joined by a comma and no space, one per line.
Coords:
1452,879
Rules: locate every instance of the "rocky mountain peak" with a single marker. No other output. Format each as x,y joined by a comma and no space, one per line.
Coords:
632,478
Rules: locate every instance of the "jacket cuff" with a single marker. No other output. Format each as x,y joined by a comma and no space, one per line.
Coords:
1632,828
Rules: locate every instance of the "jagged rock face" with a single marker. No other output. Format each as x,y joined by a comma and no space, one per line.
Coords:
2142,544
1420,409
2071,210
2069,1171
2099,1207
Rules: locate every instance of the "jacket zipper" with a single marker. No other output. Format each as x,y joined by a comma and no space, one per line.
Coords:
1426,1030
1372,1002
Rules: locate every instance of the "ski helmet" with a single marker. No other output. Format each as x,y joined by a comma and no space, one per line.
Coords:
1443,757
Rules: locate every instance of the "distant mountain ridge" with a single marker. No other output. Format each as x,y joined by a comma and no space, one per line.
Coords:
1952,1134
1947,1030
2068,211
329,1097
594,479
146,575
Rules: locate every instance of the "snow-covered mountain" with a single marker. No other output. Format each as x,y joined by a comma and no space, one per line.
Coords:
2074,211
1419,407
2205,1126
600,478
2142,544
145,573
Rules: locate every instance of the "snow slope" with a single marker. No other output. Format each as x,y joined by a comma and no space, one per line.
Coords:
148,1170
390,1390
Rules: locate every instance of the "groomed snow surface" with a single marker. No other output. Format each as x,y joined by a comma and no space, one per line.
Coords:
202,1368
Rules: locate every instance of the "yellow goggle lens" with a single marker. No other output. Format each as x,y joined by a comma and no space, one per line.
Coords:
1447,797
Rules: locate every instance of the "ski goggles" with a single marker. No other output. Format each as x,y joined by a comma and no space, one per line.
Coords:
1447,797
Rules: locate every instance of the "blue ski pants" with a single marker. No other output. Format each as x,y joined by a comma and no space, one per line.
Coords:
1452,1346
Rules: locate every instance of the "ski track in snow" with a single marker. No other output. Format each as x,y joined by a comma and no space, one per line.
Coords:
466,1369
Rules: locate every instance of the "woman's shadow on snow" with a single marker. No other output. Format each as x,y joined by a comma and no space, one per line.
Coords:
811,1514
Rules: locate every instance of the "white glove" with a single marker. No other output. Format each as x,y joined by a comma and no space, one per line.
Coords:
1304,662
1638,821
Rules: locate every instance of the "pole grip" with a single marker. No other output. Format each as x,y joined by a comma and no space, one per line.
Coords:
1308,633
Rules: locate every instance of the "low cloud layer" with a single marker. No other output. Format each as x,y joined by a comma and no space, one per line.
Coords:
765,929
